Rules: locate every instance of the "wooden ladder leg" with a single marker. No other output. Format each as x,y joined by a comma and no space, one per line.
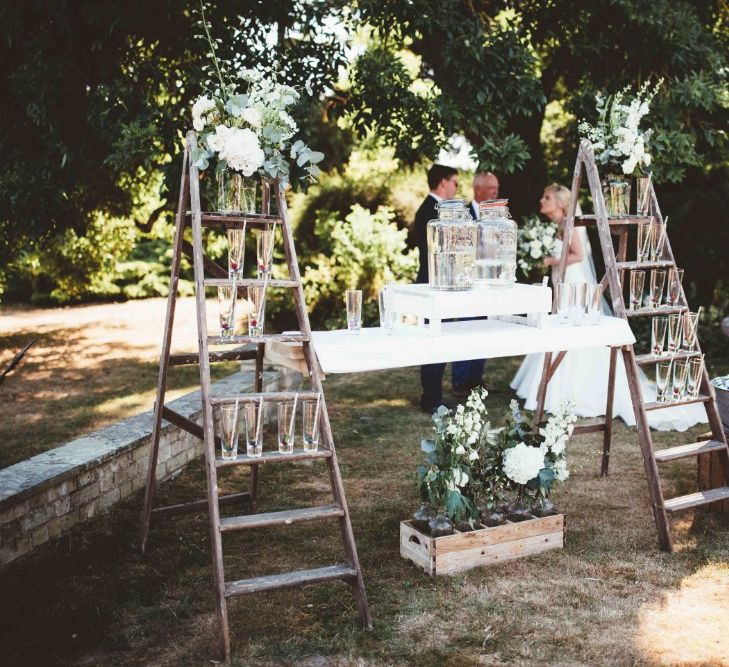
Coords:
260,349
646,445
165,356
608,433
542,391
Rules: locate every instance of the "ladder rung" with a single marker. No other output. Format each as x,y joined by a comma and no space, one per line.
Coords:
590,219
701,398
661,310
182,359
266,338
287,579
664,263
199,505
648,359
246,282
280,518
268,397
232,221
697,499
684,451
274,457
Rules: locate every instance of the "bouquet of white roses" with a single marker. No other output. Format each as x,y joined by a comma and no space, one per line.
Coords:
536,240
244,120
616,137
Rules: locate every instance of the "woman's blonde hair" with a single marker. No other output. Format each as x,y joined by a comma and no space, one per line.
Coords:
561,194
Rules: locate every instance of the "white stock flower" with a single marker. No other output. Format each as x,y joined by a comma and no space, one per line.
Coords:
522,463
252,117
199,110
560,470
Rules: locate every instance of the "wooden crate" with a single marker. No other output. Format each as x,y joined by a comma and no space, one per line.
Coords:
483,546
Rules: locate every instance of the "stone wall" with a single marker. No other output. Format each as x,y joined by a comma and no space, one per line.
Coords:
43,497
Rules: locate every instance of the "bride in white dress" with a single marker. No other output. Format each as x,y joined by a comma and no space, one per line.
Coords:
583,374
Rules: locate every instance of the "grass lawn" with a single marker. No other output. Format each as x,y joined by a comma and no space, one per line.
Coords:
610,597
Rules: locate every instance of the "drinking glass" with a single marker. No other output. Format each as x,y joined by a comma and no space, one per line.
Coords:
577,303
226,309
353,298
658,335
562,299
229,431
673,291
663,373
593,294
286,427
680,369
644,240
690,329
637,280
253,415
257,309
658,238
675,332
312,417
387,314
694,376
264,252
236,246
643,203
658,280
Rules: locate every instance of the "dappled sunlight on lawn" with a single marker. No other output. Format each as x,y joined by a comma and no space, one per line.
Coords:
689,625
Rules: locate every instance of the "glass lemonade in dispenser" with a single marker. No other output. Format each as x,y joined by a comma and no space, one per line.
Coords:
496,250
451,247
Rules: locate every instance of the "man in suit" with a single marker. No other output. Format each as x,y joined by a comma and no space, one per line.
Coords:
485,187
443,184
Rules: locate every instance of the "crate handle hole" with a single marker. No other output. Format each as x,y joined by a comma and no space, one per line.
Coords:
413,538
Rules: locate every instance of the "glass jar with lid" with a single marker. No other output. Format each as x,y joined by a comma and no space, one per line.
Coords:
452,240
496,250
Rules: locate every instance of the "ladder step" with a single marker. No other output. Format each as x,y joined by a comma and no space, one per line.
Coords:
696,499
701,398
268,397
240,354
266,338
246,282
664,263
234,221
648,359
661,310
684,451
274,457
590,219
280,518
288,579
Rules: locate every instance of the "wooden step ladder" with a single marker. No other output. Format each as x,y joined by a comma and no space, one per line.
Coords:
615,270
245,347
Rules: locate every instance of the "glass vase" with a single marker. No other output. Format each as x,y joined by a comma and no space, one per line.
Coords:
236,193
545,507
422,517
616,192
519,509
440,525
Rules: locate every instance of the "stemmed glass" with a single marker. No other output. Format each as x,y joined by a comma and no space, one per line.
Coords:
658,335
658,280
673,291
663,373
680,369
637,281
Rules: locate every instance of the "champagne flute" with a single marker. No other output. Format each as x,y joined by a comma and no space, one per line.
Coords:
673,291
637,281
675,332
644,241
663,373
658,239
694,376
658,335
680,370
658,280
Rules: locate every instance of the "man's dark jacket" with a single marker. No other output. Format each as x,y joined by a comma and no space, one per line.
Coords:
426,212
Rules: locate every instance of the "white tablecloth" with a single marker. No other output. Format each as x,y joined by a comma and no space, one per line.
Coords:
372,349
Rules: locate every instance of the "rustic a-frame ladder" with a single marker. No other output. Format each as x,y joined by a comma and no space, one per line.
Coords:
616,267
246,347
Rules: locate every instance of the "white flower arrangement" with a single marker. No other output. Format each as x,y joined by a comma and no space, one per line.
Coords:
245,122
616,137
522,462
536,240
721,382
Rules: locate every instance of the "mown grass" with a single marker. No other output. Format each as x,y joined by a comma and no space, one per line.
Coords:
610,597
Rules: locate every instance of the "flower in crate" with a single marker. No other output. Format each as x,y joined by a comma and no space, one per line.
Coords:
523,463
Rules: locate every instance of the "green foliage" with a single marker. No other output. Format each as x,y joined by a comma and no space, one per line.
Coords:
367,250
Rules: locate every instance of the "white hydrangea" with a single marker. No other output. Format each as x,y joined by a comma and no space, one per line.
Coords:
522,463
200,110
239,148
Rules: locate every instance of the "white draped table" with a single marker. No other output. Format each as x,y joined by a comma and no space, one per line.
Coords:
372,349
